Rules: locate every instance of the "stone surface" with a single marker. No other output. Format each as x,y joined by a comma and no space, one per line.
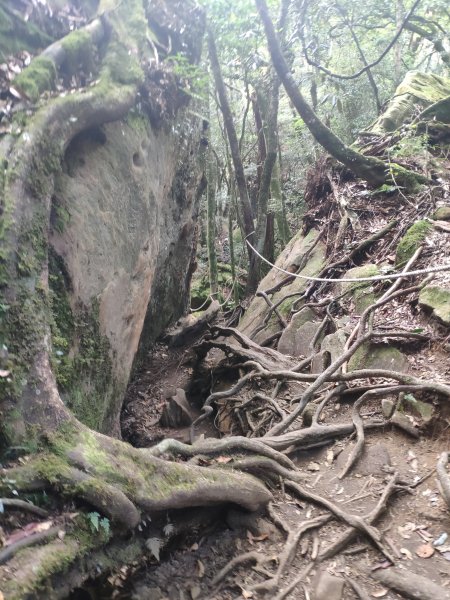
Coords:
442,213
253,522
289,259
128,196
360,292
177,411
328,587
436,299
295,341
420,409
371,356
388,407
373,461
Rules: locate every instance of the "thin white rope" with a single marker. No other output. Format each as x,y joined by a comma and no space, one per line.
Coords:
352,280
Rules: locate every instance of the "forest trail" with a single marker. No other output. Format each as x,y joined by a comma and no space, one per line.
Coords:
295,446
405,427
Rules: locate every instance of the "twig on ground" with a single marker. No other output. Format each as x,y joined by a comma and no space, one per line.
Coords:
349,534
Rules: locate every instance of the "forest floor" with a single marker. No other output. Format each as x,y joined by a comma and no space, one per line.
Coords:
303,547
411,524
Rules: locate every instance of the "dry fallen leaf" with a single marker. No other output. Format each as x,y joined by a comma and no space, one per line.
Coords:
379,593
223,459
406,553
425,551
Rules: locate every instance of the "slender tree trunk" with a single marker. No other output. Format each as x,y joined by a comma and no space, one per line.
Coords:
372,83
371,169
211,224
279,204
246,210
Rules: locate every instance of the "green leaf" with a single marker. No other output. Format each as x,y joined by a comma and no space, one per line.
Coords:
94,520
154,545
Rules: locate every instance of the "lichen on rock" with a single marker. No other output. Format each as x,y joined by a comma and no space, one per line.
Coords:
436,299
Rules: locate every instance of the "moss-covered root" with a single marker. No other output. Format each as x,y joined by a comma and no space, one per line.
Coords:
121,481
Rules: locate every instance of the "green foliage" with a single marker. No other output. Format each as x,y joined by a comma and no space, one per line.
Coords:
98,524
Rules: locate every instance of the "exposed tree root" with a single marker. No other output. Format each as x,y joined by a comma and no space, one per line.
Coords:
362,594
288,554
411,585
349,535
38,538
25,506
235,445
123,482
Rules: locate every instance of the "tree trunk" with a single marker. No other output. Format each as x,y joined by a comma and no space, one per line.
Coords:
373,170
245,207
211,225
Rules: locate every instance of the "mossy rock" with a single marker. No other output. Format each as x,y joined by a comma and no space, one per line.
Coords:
420,409
314,254
416,90
437,299
37,78
411,241
442,214
371,356
361,292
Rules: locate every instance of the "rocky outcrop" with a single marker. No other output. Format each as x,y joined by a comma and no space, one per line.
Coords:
123,222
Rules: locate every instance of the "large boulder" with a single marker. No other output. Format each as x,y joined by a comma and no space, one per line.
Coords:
122,225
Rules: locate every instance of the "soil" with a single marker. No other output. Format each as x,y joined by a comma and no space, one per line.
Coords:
412,521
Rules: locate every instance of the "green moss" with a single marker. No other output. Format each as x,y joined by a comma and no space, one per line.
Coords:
438,300
32,247
138,122
122,66
44,164
371,356
442,213
16,35
78,52
411,241
38,77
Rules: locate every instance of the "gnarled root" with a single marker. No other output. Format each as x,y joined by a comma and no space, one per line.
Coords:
123,482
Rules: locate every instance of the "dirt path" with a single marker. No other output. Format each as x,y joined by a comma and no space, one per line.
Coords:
411,523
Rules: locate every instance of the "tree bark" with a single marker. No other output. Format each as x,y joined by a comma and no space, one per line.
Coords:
373,170
245,207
